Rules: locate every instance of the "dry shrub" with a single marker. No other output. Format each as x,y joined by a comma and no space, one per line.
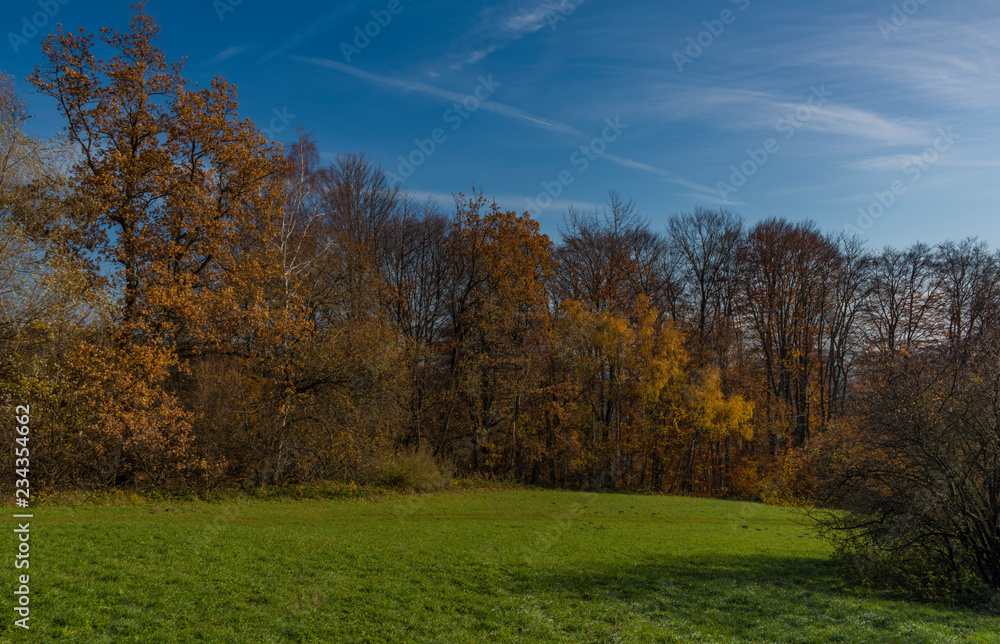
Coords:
745,479
335,413
416,470
787,483
104,419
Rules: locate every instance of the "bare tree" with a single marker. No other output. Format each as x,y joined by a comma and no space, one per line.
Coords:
607,258
705,243
840,324
900,309
787,275
969,278
360,202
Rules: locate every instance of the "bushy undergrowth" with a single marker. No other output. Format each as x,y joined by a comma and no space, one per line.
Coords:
416,470
914,572
317,490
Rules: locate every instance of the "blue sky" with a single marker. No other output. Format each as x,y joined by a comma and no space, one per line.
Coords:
875,115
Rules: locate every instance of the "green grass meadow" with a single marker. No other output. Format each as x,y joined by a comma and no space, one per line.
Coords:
484,566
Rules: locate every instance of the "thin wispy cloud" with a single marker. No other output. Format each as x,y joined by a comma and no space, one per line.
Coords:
903,161
530,19
738,109
500,25
225,55
892,162
959,71
715,200
850,121
313,28
406,85
555,206
666,175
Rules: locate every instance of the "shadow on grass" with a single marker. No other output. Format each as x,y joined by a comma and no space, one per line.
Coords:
752,598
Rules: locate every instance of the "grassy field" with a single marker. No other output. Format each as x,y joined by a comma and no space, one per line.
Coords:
508,566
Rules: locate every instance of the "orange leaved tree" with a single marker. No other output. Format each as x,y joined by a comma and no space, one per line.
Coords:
174,195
